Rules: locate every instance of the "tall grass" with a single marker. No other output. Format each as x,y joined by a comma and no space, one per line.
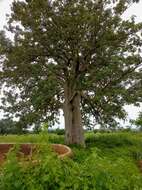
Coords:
31,138
107,163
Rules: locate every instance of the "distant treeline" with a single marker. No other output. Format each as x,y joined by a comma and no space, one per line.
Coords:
8,126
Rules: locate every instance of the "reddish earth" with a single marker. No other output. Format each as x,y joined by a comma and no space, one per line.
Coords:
140,165
62,150
28,149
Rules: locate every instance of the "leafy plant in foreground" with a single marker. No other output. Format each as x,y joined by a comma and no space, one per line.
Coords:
95,173
78,56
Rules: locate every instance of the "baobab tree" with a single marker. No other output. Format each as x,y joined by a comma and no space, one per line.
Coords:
76,55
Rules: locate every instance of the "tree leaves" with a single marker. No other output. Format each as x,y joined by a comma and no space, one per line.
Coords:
83,43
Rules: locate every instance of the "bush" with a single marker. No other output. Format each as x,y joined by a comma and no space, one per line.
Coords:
96,173
57,131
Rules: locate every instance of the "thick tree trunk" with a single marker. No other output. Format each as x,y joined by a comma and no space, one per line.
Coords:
73,121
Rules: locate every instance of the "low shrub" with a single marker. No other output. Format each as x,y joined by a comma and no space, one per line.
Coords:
50,172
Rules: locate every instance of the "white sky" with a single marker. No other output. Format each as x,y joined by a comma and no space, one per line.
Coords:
135,9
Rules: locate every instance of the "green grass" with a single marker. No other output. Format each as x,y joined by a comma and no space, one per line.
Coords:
109,162
30,138
111,145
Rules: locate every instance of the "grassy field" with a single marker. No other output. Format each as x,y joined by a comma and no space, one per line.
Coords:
109,162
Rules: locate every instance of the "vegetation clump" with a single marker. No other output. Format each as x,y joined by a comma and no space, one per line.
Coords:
78,56
99,166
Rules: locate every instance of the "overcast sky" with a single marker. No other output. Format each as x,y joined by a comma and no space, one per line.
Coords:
135,9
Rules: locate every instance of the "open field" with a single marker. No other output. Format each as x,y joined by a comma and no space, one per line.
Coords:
109,162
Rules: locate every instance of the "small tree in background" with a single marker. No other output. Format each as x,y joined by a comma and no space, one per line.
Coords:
8,126
76,55
138,121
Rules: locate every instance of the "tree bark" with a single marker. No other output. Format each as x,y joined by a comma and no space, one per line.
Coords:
72,116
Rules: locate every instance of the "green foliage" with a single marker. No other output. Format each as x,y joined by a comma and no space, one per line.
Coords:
57,131
43,135
10,171
83,45
99,166
8,126
44,127
138,121
98,173
31,138
111,140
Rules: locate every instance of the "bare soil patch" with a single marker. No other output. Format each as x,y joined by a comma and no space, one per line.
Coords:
28,149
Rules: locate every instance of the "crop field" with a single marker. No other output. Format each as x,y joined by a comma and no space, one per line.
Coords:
109,162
